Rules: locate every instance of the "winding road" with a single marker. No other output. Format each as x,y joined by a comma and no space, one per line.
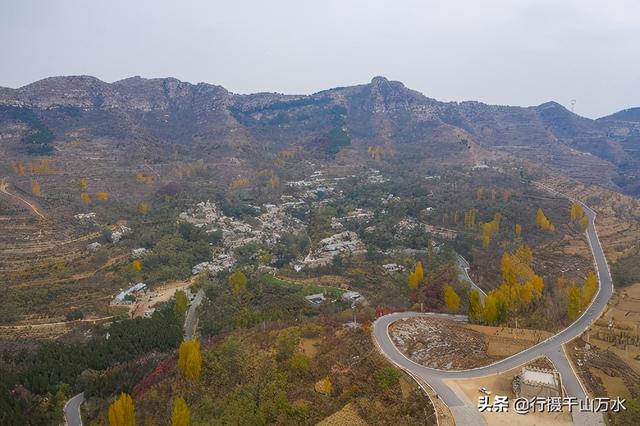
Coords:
32,207
464,411
463,266
72,414
72,410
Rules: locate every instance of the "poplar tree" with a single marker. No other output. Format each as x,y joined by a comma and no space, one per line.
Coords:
122,411
181,415
451,299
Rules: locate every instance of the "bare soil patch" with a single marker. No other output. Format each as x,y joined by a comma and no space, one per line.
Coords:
501,384
453,345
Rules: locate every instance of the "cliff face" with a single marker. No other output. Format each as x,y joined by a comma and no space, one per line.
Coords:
382,113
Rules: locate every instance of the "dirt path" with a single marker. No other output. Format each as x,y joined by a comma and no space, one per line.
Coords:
158,295
33,208
52,324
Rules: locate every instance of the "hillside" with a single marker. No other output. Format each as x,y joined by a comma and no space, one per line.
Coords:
159,117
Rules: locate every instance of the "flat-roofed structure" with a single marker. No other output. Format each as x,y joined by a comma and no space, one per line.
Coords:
537,382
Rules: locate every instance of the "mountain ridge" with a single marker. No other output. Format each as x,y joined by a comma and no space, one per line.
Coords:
381,113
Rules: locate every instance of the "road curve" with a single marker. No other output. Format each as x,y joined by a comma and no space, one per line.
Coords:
72,415
551,347
33,208
463,274
190,321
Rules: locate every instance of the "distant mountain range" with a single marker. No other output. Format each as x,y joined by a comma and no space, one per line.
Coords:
207,119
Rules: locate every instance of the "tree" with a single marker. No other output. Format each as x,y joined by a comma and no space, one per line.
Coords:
190,360
86,198
387,377
181,415
143,207
543,222
299,364
589,288
574,302
412,281
576,211
525,293
584,223
83,183
490,310
324,386
518,229
451,299
524,254
239,183
180,307
102,196
274,181
238,282
287,342
480,193
475,305
419,272
137,265
507,270
489,229
470,218
122,411
537,284
142,178
35,188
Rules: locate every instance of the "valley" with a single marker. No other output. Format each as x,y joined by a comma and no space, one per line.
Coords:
301,222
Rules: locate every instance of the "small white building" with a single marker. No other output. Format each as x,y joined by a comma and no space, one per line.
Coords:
351,296
94,246
393,267
121,297
138,252
316,299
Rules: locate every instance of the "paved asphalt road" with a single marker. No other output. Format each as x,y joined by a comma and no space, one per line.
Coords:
72,410
72,407
463,266
465,412
191,320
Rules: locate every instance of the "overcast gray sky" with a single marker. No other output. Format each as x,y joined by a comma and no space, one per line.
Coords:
516,52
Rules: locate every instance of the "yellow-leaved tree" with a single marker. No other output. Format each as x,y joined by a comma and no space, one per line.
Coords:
180,308
181,415
238,282
86,198
543,222
190,359
35,188
419,272
574,302
490,309
576,211
143,207
589,288
122,411
83,183
475,305
518,229
584,223
412,281
102,195
137,265
451,299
